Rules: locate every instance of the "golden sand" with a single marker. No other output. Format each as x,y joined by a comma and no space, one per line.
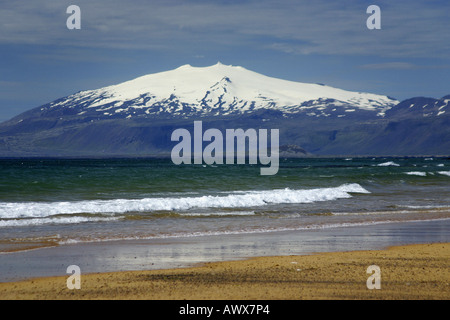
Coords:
407,272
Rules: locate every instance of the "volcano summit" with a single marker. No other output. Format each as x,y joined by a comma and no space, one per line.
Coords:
136,117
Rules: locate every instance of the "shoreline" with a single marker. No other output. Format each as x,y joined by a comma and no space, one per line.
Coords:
9,247
414,271
170,253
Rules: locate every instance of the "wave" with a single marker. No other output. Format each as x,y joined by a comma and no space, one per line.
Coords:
11,210
423,209
210,214
50,220
437,207
389,163
423,173
416,173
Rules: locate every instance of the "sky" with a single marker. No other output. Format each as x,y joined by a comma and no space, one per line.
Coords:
318,41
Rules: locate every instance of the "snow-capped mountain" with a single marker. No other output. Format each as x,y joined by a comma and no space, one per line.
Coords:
137,117
214,90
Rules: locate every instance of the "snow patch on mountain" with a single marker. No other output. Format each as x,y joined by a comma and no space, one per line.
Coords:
218,89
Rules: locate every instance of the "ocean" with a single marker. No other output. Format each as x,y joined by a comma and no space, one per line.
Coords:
57,202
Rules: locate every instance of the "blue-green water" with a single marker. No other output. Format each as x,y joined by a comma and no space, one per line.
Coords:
65,201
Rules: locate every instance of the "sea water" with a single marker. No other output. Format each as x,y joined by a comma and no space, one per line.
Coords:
62,201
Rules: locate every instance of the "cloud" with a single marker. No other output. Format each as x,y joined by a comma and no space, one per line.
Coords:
389,65
409,29
402,66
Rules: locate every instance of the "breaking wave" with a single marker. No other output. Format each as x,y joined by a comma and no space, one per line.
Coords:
416,173
15,210
387,164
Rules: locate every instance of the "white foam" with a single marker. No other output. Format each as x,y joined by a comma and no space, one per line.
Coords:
416,173
221,213
366,213
42,221
446,173
426,207
389,163
234,200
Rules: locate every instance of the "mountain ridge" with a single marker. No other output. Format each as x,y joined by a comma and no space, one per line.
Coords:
214,90
136,117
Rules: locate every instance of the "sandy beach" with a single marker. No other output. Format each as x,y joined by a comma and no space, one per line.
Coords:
419,271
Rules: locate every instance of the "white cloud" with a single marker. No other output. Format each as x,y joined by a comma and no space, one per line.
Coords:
390,65
409,29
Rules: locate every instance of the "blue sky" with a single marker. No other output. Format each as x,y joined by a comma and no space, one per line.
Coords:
307,41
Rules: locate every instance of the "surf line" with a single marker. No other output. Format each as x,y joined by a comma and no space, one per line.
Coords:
213,153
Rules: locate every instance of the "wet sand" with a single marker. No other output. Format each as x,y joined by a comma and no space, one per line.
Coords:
420,271
169,253
314,264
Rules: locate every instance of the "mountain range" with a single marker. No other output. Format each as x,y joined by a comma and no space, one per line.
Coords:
137,117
